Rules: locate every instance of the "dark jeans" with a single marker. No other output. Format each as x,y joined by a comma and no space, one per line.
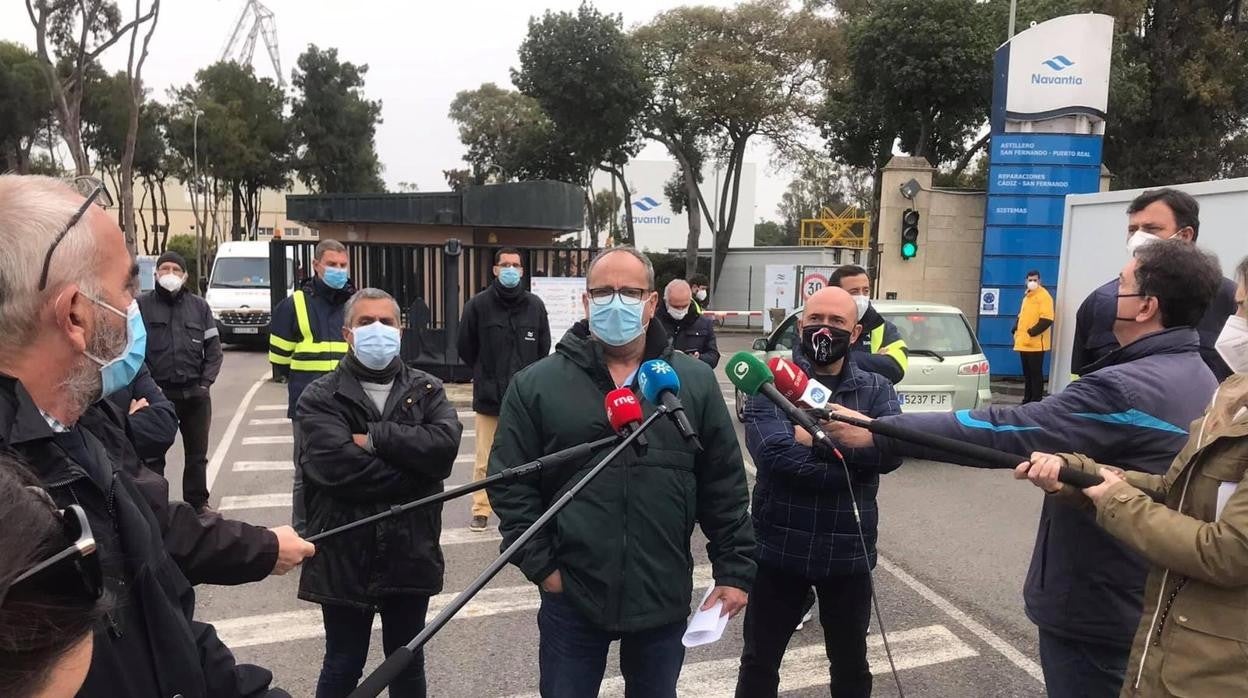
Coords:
572,654
194,421
1033,375
347,634
776,606
298,509
1074,669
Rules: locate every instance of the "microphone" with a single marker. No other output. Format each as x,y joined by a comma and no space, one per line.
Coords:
659,385
752,377
794,384
624,414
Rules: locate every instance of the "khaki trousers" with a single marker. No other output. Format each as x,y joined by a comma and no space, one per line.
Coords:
486,426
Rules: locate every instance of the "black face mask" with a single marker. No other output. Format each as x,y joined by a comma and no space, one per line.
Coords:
824,344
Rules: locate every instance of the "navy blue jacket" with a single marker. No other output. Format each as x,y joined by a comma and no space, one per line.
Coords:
1132,409
1094,328
325,316
154,428
802,508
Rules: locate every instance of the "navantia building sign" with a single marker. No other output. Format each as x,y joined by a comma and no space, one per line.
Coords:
1049,103
1057,68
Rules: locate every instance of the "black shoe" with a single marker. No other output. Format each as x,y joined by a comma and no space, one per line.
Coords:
479,524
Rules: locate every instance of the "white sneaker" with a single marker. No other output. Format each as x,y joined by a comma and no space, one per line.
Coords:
805,619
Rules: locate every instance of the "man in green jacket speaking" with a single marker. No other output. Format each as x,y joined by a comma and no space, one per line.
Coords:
616,563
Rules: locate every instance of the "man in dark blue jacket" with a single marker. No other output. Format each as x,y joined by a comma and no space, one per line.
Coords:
691,331
305,336
1133,407
803,510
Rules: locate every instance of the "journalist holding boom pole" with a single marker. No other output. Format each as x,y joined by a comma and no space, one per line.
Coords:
615,564
1084,588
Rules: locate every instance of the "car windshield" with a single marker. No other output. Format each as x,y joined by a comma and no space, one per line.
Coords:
943,334
246,272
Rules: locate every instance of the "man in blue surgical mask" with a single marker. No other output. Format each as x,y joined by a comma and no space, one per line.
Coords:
618,567
375,434
504,329
305,339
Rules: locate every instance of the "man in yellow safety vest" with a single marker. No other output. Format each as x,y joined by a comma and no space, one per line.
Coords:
305,339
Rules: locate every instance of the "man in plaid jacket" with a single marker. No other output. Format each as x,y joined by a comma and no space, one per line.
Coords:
803,512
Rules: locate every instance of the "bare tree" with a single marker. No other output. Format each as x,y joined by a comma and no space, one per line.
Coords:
78,31
134,71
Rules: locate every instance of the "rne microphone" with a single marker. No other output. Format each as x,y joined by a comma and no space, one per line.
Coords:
793,383
752,377
659,385
624,414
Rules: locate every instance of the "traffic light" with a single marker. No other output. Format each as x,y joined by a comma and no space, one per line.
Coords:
909,234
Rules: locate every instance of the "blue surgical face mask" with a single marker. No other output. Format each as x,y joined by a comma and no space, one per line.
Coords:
376,345
335,277
509,277
616,323
119,372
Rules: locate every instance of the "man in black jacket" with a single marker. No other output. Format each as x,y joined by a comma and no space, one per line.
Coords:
690,331
376,434
184,356
880,348
504,329
1157,214
65,341
150,418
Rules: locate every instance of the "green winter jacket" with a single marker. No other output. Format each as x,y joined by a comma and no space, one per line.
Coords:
622,546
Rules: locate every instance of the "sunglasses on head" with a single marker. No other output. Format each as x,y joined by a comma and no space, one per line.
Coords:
74,571
94,190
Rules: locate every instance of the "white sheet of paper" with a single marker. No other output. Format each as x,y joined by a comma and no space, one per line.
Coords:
1225,490
707,626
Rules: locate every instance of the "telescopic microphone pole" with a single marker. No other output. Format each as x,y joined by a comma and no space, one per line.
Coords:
381,677
574,453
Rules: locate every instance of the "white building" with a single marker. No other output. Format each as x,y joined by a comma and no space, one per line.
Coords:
660,229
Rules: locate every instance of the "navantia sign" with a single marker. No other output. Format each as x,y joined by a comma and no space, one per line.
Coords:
1056,68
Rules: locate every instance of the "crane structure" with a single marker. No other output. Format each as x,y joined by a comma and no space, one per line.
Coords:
241,47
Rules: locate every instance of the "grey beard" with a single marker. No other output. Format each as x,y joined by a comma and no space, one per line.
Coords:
83,384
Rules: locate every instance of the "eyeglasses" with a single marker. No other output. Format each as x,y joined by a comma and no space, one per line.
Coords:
74,572
628,295
94,190
1137,294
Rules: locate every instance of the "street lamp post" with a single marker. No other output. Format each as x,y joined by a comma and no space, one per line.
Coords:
199,237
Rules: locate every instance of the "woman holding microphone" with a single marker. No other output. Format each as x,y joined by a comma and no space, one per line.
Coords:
1191,524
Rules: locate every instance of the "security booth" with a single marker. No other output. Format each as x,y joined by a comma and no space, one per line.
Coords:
434,251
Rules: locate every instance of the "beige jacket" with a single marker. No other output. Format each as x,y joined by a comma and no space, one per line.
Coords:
1193,637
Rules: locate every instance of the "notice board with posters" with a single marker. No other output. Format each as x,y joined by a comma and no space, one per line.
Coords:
562,296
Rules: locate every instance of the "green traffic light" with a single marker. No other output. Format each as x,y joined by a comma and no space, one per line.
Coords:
909,250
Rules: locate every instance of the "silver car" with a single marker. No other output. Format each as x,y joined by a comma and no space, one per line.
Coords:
948,370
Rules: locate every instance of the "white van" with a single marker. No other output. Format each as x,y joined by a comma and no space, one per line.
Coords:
239,290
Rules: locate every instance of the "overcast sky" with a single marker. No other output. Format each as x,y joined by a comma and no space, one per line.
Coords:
419,53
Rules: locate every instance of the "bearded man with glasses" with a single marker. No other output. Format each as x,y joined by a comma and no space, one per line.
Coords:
71,334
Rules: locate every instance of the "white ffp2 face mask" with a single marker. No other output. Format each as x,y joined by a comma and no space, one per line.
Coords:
1139,239
1232,344
862,303
678,314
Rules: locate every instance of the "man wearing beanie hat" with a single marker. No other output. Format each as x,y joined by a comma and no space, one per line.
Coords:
184,356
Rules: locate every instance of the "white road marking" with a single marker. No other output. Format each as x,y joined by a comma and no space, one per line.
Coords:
264,440
465,414
218,455
268,422
989,638
465,459
749,463
255,501
272,408
249,631
244,466
460,536
807,666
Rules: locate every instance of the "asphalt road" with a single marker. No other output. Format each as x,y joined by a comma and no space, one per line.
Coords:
954,545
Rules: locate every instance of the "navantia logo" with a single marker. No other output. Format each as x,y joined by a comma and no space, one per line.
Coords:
1058,64
646,204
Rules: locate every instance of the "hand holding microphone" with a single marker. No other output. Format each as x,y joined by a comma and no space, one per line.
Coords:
752,377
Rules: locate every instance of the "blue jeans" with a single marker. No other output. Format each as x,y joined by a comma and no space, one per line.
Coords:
1075,669
573,654
347,634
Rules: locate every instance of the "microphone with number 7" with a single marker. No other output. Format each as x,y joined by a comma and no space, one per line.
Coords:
793,383
659,385
624,414
752,377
